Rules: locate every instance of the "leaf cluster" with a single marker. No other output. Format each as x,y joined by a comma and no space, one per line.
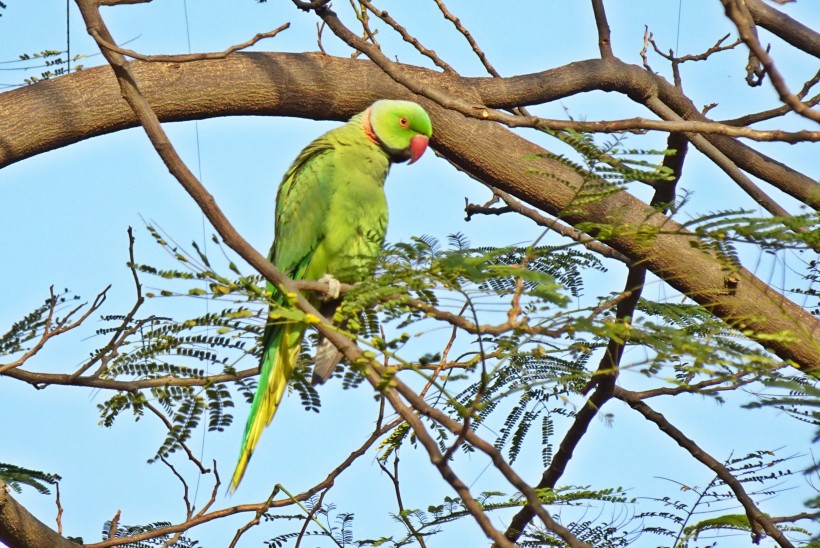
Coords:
16,477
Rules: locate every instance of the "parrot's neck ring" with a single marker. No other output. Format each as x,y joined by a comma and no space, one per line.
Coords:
368,128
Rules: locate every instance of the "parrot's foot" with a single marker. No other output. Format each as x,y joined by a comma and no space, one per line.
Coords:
334,287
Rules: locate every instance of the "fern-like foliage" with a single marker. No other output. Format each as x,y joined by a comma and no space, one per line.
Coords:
49,62
32,324
606,167
16,477
130,530
429,521
761,472
520,378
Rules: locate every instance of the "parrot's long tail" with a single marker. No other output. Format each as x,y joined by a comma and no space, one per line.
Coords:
278,363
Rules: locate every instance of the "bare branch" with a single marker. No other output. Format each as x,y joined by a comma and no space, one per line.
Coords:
430,54
750,119
677,61
121,334
604,39
394,478
256,518
189,57
729,168
468,36
188,508
541,220
203,517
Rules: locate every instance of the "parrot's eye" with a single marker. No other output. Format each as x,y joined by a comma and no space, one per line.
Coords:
403,121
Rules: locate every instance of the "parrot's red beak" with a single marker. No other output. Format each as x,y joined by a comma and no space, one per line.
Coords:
418,144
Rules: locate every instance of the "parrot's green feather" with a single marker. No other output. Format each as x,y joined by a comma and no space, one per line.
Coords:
331,218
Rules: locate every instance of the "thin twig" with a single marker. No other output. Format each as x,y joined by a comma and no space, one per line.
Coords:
256,518
754,118
309,518
444,354
394,478
364,19
710,150
59,509
553,224
677,61
407,37
190,57
469,37
121,334
170,428
188,509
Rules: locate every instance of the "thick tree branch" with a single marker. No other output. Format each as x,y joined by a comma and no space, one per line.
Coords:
254,92
737,11
58,112
778,23
20,529
459,103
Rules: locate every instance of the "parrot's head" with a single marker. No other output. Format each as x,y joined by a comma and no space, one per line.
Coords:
401,128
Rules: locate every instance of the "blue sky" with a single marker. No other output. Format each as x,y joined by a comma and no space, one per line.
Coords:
64,217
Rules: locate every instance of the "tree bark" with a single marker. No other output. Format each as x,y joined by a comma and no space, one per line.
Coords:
20,529
792,31
86,104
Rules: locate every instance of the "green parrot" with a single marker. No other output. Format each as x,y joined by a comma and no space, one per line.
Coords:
331,218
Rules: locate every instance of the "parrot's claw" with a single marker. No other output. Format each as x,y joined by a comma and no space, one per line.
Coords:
334,287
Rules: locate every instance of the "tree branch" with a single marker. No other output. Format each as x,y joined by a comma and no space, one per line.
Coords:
20,529
54,327
758,521
792,31
740,16
190,57
319,86
604,39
